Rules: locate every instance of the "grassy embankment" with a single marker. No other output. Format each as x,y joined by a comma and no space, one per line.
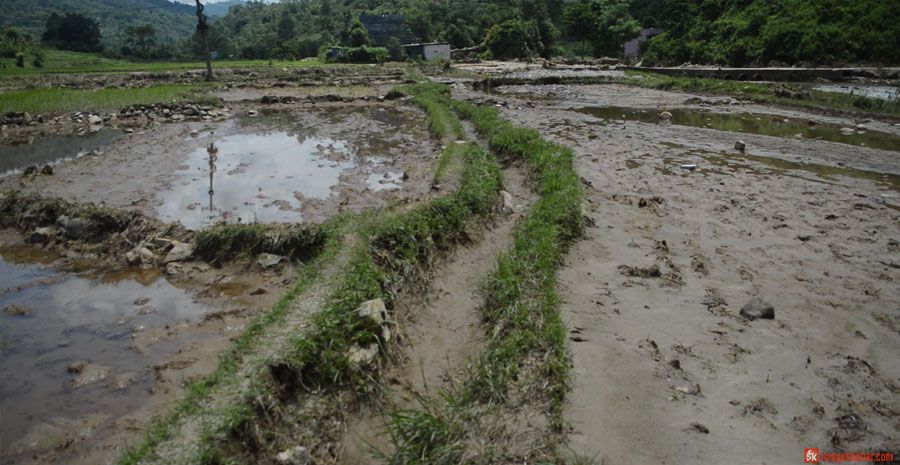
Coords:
61,61
526,358
47,100
391,250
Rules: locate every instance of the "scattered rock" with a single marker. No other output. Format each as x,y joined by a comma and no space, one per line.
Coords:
123,380
174,269
296,456
258,291
665,115
758,308
693,389
508,207
180,251
651,271
375,310
30,171
75,227
740,146
94,119
847,131
195,133
141,300
47,170
363,355
146,310
268,260
699,427
133,257
42,235
87,373
252,112
16,310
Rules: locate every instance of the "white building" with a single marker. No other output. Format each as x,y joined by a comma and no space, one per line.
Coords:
430,51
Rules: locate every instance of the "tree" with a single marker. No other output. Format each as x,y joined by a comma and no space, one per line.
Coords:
615,26
357,35
141,39
606,24
418,21
512,39
73,31
580,22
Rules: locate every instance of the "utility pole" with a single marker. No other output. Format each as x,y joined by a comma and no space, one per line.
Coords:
202,28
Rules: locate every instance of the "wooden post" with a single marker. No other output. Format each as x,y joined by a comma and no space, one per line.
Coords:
202,27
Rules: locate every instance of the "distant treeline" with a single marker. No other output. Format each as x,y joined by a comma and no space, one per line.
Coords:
757,32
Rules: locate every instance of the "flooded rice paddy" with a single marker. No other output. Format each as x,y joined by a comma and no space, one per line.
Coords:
66,339
52,149
767,125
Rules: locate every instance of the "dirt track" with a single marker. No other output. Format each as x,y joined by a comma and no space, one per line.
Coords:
665,368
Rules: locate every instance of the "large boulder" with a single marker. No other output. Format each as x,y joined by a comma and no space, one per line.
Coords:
179,252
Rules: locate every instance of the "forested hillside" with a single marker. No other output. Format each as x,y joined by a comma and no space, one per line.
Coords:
744,32
172,21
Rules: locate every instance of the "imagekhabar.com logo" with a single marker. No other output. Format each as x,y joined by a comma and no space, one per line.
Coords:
812,455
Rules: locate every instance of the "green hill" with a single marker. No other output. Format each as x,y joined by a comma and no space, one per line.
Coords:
172,20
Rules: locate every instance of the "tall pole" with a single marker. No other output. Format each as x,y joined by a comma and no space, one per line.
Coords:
202,27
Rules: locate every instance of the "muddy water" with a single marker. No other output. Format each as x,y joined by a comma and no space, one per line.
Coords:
53,319
767,125
52,149
266,168
258,177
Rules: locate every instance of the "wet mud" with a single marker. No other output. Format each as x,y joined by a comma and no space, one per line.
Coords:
809,226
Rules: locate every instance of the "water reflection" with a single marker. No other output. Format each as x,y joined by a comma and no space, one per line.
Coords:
63,318
767,125
52,149
255,178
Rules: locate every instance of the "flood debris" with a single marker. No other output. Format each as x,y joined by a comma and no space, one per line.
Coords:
651,271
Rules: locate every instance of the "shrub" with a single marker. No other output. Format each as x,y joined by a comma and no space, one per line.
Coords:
20,60
364,54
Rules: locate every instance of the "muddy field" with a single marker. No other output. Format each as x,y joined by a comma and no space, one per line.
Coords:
685,231
734,296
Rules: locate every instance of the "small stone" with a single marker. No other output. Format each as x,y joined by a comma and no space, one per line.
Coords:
174,269
30,171
268,260
133,257
693,389
363,355
87,373
141,300
295,456
123,380
508,207
258,291
75,228
42,235
180,251
740,146
847,131
195,133
146,310
665,115
377,312
47,170
94,119
252,112
16,310
758,308
700,428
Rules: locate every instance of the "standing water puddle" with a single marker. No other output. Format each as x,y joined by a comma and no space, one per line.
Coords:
877,92
65,340
52,149
255,178
767,125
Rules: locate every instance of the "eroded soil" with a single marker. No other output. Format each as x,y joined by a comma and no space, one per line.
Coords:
666,370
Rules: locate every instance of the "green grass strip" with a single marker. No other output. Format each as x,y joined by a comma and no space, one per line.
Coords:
521,306
229,361
51,100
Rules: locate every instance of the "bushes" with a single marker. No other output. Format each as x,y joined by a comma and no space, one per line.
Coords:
513,39
363,54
